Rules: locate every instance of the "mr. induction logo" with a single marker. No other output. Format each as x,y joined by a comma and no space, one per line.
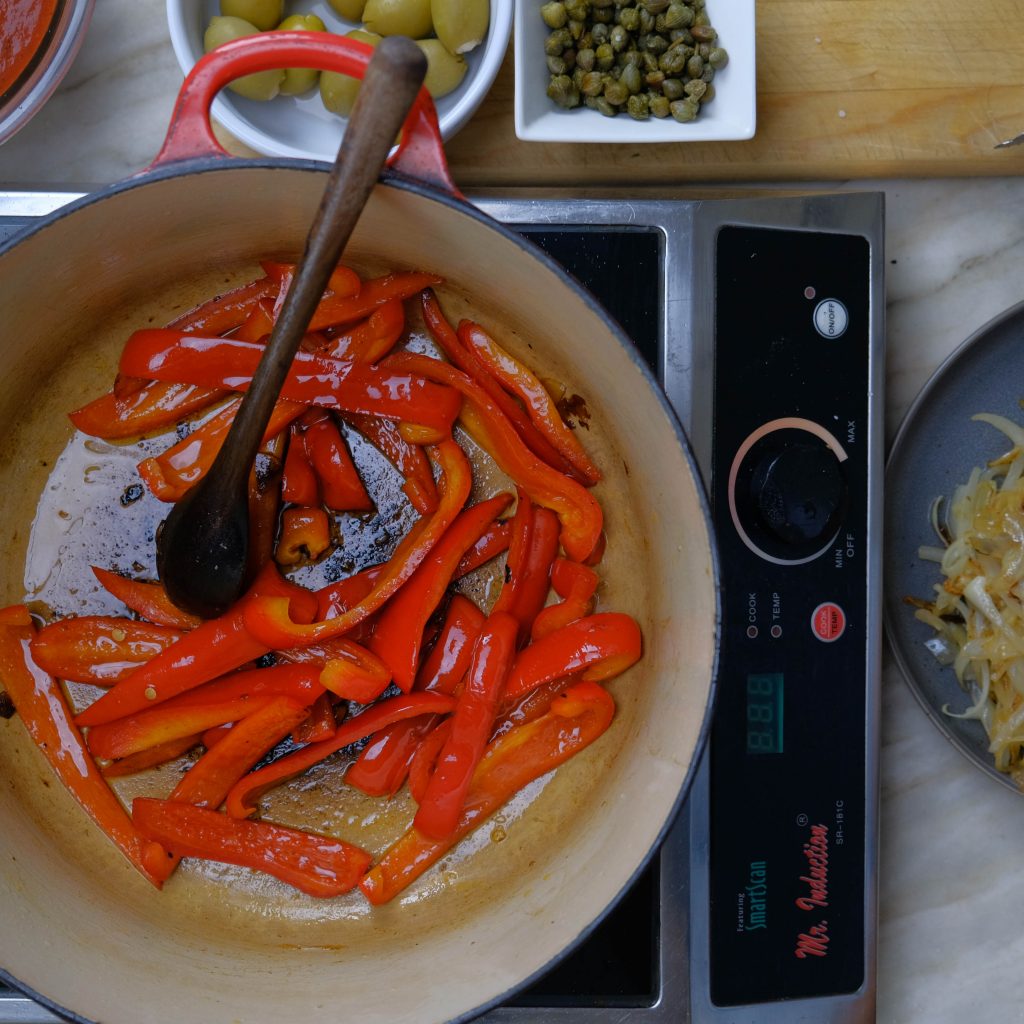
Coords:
813,941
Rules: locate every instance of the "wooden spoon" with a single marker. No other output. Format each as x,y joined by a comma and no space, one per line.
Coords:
202,546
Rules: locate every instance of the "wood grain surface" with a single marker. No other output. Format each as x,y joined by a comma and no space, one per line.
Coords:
846,88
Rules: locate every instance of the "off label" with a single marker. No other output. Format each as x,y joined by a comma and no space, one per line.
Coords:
828,621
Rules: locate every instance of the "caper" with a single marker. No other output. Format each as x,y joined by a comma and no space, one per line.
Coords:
264,14
709,94
351,10
695,88
300,80
398,18
604,16
718,58
563,92
654,79
338,91
673,62
694,66
653,43
701,18
672,88
605,56
604,107
592,84
646,20
577,10
681,35
445,70
554,14
616,93
264,85
659,106
678,16
629,59
654,6
648,62
683,110
557,41
557,65
600,34
631,78
460,24
585,59
629,19
576,30
638,108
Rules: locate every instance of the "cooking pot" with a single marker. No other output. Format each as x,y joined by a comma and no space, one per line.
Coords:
82,931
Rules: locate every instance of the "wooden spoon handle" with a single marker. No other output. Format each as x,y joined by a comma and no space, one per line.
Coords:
392,82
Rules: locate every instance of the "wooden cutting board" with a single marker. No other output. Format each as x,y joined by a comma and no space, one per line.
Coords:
845,89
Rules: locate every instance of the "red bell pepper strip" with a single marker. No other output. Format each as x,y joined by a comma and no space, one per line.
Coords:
316,865
600,646
226,312
144,759
99,649
319,723
524,384
383,763
299,485
489,546
466,360
354,673
373,293
510,762
241,801
407,458
170,474
299,683
15,615
339,597
44,711
424,758
520,528
340,487
471,723
267,619
370,340
157,405
217,646
575,506
158,725
312,379
147,599
343,282
398,634
259,323
305,535
576,584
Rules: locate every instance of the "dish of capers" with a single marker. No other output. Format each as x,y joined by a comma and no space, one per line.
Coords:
645,58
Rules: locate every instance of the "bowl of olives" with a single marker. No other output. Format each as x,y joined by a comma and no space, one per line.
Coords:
301,112
634,70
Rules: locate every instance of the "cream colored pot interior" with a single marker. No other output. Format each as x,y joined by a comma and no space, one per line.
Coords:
78,925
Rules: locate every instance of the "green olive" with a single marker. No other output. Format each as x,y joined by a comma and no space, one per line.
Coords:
444,70
338,91
398,17
300,80
351,10
264,85
460,24
264,14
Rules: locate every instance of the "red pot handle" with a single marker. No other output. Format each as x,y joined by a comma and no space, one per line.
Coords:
420,154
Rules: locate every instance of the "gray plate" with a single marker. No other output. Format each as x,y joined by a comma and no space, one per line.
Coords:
937,445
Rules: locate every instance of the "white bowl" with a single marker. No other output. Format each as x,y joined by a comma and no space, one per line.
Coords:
732,114
300,126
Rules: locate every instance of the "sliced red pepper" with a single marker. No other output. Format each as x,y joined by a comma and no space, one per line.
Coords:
382,765
305,535
354,673
424,758
520,381
44,711
157,405
398,634
170,474
373,293
226,312
490,545
316,865
147,599
299,485
372,339
319,723
99,649
241,801
341,489
466,360
259,323
15,615
312,379
144,759
575,506
267,618
510,762
299,683
407,458
217,646
343,283
471,723
576,584
600,646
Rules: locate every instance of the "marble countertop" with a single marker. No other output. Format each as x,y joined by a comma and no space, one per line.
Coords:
950,939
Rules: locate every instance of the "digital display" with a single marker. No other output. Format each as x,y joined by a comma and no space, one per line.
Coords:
764,713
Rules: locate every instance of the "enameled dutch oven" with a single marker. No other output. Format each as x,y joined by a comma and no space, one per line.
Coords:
79,929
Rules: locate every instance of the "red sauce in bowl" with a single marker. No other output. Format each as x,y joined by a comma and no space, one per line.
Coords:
23,26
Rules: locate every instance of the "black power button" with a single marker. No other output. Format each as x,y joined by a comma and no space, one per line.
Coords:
788,491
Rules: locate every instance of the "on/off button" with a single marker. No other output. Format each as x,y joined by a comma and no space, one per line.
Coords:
828,622
831,318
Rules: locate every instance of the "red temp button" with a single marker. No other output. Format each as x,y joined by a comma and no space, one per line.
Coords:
828,621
